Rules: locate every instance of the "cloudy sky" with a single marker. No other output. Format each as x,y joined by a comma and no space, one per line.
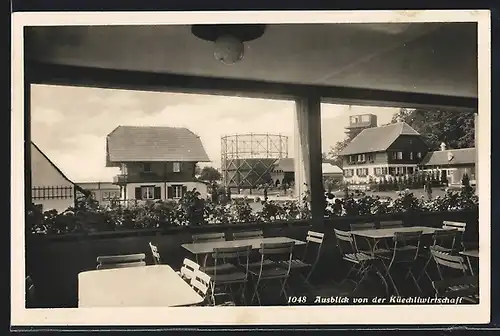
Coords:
70,124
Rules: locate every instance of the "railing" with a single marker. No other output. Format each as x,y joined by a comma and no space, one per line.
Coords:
52,192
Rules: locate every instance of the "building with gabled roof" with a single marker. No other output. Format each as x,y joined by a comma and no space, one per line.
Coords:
377,152
156,163
51,189
456,163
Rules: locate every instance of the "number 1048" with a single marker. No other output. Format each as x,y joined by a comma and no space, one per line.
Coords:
297,299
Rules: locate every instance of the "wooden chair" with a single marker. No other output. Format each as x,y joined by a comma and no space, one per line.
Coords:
231,268
360,262
121,261
363,244
269,269
443,241
206,238
460,227
156,254
404,253
466,287
391,224
248,235
447,262
313,240
188,270
202,284
362,226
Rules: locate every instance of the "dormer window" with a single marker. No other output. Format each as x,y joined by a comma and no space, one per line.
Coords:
177,167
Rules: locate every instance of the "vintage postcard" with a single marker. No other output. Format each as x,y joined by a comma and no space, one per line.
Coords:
251,168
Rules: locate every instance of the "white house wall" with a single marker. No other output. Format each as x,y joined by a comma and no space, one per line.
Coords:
45,175
130,188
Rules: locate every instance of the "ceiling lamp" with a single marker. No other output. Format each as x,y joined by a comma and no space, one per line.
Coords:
229,39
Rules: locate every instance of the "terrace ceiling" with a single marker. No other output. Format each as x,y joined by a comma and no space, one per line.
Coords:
425,58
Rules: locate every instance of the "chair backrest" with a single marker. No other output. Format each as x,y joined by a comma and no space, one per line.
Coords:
188,269
201,283
209,237
403,240
313,238
239,254
120,261
444,238
462,287
362,226
345,242
156,254
391,224
277,251
454,225
447,260
248,235
121,265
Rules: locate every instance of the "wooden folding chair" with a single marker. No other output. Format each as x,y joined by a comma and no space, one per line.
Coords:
121,261
466,287
314,240
248,235
405,253
270,269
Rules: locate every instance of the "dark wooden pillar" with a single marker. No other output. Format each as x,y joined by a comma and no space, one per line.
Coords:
308,156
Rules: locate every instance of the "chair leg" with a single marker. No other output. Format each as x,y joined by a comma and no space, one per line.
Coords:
388,274
256,293
283,291
424,270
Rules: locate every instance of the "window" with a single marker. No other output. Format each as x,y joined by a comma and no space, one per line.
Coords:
176,191
399,155
411,155
378,171
410,170
148,193
392,171
370,157
361,158
362,172
419,155
384,170
146,167
394,155
351,158
177,167
348,172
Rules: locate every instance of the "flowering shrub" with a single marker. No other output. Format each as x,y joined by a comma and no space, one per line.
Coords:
88,216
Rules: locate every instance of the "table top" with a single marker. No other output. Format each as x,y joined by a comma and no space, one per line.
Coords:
208,247
389,232
470,253
145,286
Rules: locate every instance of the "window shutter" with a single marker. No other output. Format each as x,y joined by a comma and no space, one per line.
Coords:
157,193
170,192
184,190
138,193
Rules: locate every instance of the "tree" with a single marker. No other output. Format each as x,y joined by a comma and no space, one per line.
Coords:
454,128
210,174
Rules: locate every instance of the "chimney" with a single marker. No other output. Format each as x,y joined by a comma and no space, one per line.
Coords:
443,146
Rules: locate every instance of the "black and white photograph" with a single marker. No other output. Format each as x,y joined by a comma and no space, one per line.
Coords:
251,168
